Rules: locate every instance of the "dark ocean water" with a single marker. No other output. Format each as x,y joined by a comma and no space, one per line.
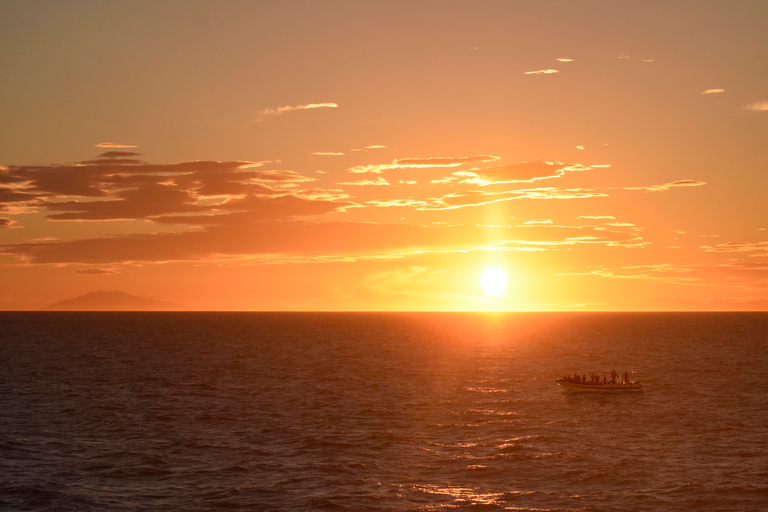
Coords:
380,411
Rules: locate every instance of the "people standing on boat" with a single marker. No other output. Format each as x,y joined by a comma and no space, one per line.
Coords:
626,378
613,376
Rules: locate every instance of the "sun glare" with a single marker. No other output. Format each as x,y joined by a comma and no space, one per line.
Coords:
493,280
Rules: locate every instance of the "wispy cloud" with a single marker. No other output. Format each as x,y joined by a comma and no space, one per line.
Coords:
113,145
290,108
737,247
563,59
478,197
326,153
760,106
542,72
95,271
425,163
713,91
667,186
377,182
515,173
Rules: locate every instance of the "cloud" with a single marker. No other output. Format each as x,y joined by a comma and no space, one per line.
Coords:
661,188
323,153
735,275
95,271
737,247
5,223
112,189
478,198
713,91
102,179
288,108
542,72
377,181
113,145
423,163
515,173
387,203
252,209
146,201
760,106
562,59
281,240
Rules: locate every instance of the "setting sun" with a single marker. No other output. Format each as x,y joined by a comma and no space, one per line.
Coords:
493,280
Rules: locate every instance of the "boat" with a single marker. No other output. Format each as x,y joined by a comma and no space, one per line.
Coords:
617,384
599,388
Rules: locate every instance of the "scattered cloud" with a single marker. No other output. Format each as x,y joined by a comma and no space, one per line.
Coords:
542,72
760,106
5,223
375,146
563,59
113,145
713,91
323,153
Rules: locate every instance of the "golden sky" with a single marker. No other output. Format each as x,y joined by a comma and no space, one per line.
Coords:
361,155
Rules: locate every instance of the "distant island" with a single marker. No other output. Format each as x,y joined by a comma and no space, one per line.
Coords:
113,301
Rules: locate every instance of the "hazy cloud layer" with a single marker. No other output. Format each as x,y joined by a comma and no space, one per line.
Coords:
294,238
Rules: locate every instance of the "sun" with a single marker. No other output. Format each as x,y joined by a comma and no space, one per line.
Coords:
493,280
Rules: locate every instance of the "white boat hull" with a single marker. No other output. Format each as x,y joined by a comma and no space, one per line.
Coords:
599,388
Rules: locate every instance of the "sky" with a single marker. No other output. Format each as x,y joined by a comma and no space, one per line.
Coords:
381,155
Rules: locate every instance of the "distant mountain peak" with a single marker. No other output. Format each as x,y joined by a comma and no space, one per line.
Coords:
112,301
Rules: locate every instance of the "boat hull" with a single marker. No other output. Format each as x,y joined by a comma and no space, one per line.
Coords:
600,388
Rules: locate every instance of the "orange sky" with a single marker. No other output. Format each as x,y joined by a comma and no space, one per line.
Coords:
380,155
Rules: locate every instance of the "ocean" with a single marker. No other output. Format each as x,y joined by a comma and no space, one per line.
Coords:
381,412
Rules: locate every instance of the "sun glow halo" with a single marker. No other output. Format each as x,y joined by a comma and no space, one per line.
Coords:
493,281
